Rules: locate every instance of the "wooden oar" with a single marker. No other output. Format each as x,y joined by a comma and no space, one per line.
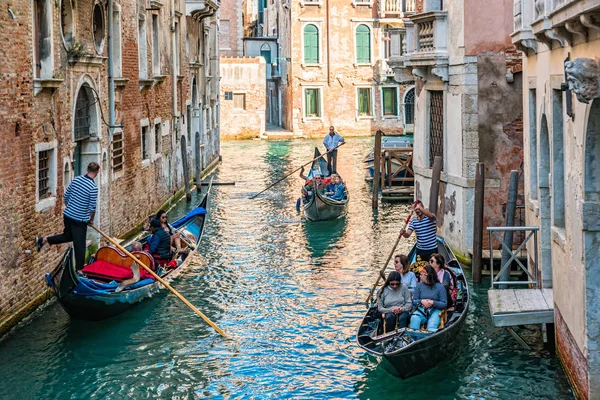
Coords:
164,283
382,271
294,171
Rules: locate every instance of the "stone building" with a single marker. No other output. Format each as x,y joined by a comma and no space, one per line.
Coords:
560,41
328,63
59,113
468,107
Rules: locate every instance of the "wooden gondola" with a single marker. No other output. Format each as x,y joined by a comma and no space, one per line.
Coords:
317,206
93,297
412,352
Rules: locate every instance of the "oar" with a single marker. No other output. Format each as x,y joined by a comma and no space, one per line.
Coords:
294,171
164,283
382,271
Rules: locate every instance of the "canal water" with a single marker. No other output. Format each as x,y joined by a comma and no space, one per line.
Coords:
290,293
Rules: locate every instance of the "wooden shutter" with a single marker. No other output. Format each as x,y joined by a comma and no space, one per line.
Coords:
389,101
311,44
363,44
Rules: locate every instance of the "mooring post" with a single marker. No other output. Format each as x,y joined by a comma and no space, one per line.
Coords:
186,172
478,222
434,193
376,169
511,205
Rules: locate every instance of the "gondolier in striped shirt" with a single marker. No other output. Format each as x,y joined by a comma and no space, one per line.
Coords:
80,199
425,227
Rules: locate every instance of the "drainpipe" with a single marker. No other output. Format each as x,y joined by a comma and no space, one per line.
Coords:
111,78
328,39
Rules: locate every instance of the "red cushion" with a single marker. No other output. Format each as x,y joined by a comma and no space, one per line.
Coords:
104,270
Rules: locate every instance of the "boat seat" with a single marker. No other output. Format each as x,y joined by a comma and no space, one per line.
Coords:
110,264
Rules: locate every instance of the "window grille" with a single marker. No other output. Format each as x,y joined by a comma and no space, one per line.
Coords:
436,125
82,115
409,107
117,151
158,139
44,174
145,147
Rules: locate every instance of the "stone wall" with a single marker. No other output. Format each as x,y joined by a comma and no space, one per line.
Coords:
243,77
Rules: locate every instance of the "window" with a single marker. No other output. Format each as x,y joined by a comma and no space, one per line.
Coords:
67,22
365,108
409,107
42,55
155,46
224,35
558,161
158,138
311,44
117,151
312,103
83,120
266,54
393,42
116,31
363,44
98,28
145,143
44,174
67,174
389,99
436,125
239,100
142,50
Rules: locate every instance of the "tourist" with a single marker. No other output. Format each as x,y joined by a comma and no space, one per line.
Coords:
393,302
80,207
402,265
161,216
160,241
332,141
336,189
424,226
429,298
135,269
437,261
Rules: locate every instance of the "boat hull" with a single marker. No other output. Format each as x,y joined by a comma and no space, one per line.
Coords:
322,208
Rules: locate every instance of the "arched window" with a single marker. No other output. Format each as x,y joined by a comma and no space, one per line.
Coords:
311,44
363,44
265,51
409,107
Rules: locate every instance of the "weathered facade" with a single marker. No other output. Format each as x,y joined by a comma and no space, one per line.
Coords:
331,65
231,28
243,100
468,107
562,160
55,102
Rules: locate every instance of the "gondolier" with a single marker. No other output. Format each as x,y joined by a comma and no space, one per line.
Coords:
332,141
80,200
424,225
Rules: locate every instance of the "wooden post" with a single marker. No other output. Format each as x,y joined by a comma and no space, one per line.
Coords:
478,222
376,169
434,193
198,149
511,205
186,172
388,170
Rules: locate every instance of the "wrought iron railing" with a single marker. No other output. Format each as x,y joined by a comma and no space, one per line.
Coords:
530,232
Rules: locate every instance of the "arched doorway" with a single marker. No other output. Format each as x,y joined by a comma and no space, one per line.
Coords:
195,121
545,205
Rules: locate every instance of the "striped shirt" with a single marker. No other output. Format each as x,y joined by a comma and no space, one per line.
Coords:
80,198
426,230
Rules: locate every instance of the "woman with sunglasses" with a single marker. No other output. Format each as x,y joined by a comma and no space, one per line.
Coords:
161,216
437,261
408,277
429,299
393,301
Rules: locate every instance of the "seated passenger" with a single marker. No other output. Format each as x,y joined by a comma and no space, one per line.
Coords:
336,189
161,216
446,278
160,242
393,300
429,298
135,268
403,267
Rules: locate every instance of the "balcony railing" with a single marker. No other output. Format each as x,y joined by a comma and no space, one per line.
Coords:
539,9
396,7
427,36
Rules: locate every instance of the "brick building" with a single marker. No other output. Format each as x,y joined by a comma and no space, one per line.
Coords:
231,28
55,103
468,107
327,64
560,41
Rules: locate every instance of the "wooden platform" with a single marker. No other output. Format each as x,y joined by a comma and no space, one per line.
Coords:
398,193
510,307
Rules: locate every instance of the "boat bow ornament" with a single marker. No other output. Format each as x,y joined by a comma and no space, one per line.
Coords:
583,78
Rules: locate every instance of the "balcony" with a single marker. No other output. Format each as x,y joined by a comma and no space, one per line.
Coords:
427,46
396,8
522,37
201,8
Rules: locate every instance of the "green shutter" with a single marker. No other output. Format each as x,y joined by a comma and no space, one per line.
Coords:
312,107
363,44
267,55
390,106
311,44
364,102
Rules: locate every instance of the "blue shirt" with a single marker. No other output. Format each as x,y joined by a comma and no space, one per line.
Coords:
338,191
331,142
437,293
410,280
80,198
426,230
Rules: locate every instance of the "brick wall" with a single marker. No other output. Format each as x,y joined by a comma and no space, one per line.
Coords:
231,24
243,77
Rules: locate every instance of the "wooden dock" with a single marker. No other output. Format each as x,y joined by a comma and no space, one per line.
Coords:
510,307
398,193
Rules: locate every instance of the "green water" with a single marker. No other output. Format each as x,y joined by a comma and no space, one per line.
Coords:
290,293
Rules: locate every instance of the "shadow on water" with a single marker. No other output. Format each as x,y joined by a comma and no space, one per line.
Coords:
322,238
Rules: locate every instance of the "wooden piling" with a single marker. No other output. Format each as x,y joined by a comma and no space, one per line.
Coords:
511,206
376,169
198,149
478,222
434,193
186,172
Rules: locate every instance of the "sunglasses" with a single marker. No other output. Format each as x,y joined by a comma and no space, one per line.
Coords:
394,284
433,260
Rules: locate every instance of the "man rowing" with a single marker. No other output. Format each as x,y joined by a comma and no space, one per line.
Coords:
331,142
425,227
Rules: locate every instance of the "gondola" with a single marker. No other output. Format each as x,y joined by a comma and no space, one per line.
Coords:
412,352
91,295
317,206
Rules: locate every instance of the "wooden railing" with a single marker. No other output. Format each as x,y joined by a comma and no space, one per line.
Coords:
401,171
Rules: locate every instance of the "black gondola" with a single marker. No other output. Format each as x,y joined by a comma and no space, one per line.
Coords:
412,352
94,298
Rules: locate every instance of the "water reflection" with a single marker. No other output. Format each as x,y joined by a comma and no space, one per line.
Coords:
322,239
